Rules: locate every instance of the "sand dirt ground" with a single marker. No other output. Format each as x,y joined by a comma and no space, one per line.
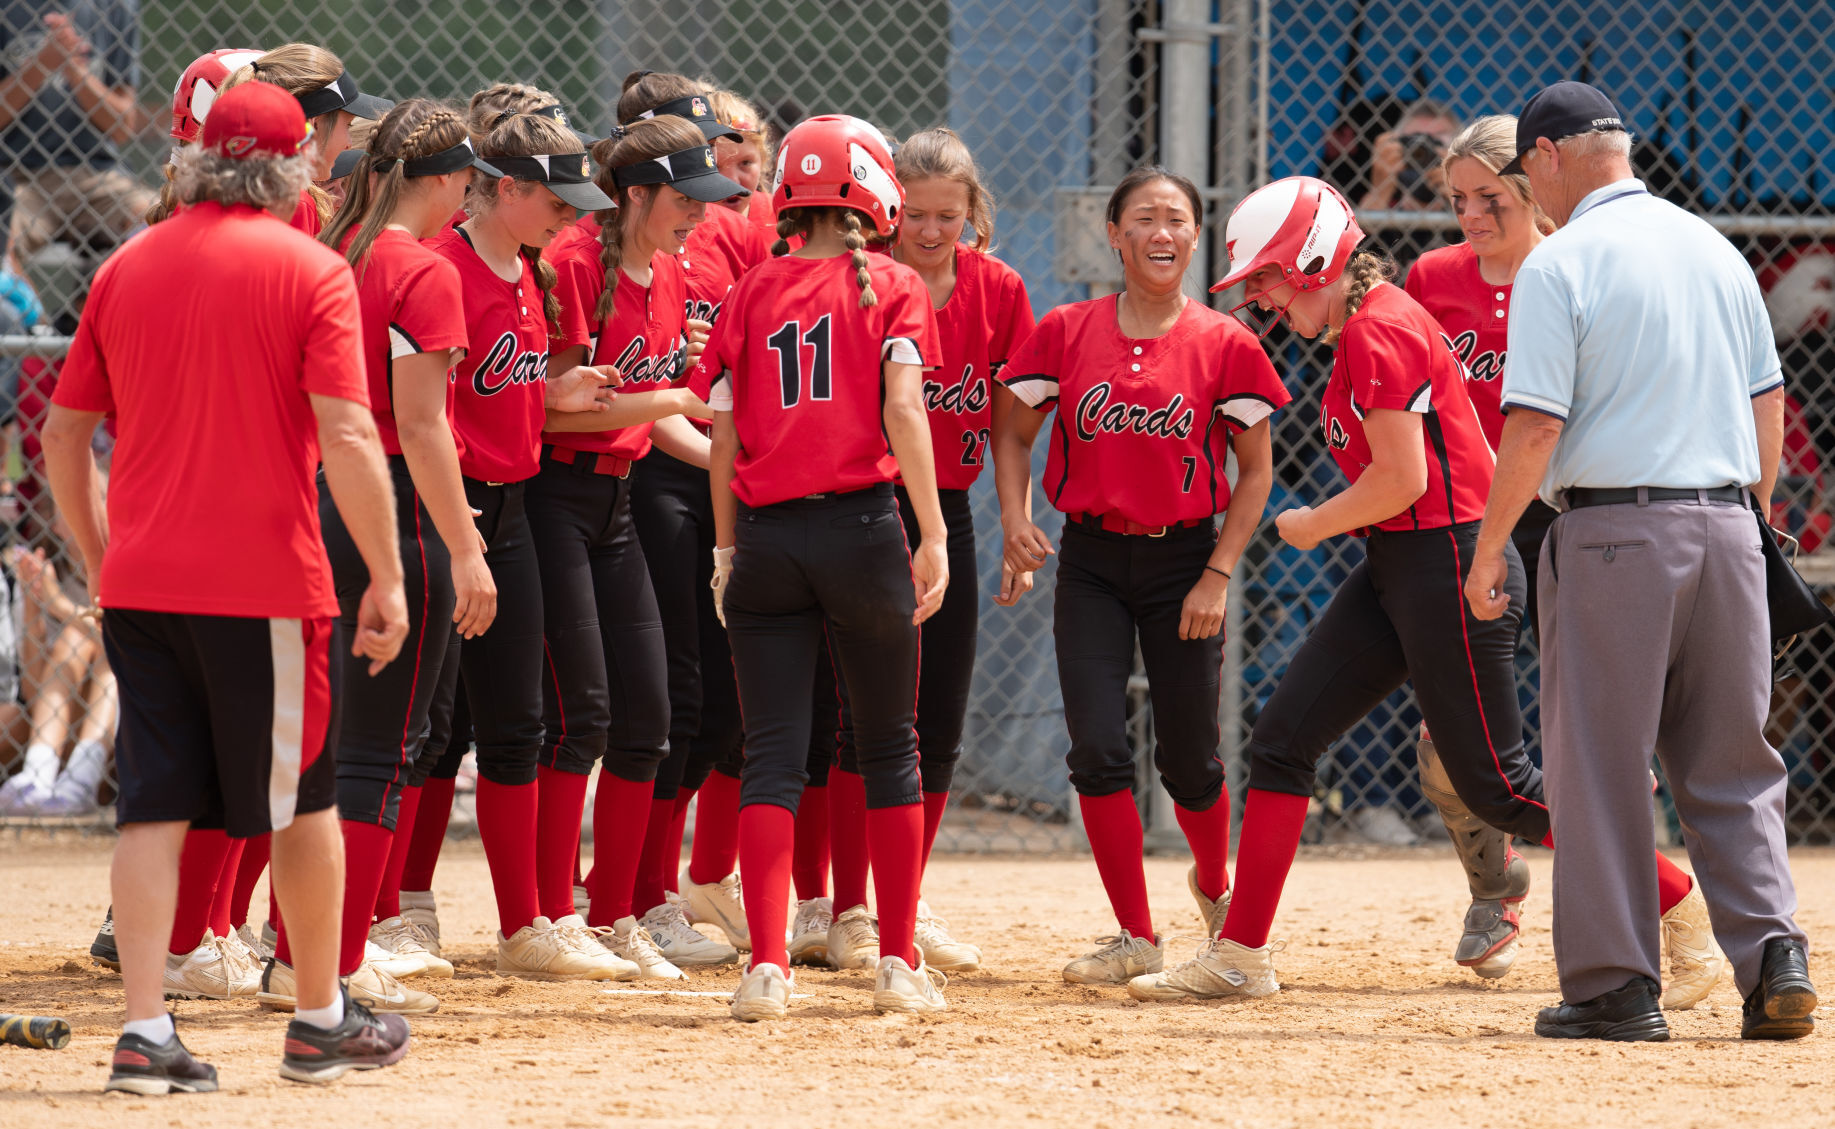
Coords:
1374,1028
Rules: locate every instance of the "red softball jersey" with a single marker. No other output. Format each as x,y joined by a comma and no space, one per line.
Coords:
209,370
987,316
497,411
411,303
800,364
761,213
720,249
1143,424
643,338
1391,354
306,215
1474,317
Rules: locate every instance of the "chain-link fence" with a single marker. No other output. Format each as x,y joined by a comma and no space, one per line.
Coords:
1732,102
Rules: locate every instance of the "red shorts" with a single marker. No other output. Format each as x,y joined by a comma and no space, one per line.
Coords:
226,721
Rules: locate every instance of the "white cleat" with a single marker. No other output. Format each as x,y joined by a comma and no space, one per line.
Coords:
681,943
397,966
915,991
809,931
719,903
1695,961
208,972
1117,959
402,940
418,910
853,940
1221,969
276,991
543,950
937,948
582,901
1213,913
238,951
375,989
631,942
764,993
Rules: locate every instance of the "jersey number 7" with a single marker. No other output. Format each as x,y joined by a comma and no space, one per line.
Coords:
787,343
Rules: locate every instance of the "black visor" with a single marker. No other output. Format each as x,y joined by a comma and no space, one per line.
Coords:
458,157
691,172
696,109
567,175
343,95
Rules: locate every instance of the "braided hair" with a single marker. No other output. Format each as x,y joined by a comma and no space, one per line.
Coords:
298,68
417,127
643,140
793,222
526,135
1364,271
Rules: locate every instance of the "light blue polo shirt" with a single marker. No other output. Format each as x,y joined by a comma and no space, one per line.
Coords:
1643,328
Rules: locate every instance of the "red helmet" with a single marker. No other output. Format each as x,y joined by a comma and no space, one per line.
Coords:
838,161
1300,224
199,86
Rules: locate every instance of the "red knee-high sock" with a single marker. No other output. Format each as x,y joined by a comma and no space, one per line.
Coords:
248,872
678,828
767,841
934,803
283,948
273,904
621,811
222,901
200,864
849,854
560,805
388,895
896,838
1208,832
506,823
716,830
1113,825
429,835
366,857
809,871
656,865
1271,825
1673,884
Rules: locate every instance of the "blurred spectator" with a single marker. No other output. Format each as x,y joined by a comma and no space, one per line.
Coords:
69,692
67,102
1405,161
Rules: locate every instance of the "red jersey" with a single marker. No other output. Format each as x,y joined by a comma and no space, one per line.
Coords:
212,507
644,336
985,319
800,364
1150,419
760,211
497,411
1391,354
411,303
720,249
1474,318
306,215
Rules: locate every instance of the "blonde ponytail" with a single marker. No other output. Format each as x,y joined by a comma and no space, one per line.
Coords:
857,245
1364,271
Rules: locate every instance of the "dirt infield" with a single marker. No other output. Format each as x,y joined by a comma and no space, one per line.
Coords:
1375,1027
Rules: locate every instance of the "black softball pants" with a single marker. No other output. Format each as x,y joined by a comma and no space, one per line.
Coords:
449,733
502,668
384,725
946,655
673,511
1531,530
1112,589
1401,616
839,560
605,686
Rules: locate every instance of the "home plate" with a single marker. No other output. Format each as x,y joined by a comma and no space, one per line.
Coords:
680,992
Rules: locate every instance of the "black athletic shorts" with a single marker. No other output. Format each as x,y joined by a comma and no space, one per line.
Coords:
226,721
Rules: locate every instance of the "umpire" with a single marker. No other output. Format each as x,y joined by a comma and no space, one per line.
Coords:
1645,398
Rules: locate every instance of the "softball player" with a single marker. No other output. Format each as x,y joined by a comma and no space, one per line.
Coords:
1154,392
624,300
982,316
814,374
1401,427
674,517
1466,287
499,410
745,158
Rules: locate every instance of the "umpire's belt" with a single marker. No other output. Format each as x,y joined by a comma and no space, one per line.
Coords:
588,462
1579,497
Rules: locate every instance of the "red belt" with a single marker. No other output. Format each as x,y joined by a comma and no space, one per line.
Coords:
605,464
1114,523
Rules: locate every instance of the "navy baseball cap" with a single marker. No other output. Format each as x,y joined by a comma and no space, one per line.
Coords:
1562,110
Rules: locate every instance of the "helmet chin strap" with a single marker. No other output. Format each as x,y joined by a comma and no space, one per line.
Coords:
1261,323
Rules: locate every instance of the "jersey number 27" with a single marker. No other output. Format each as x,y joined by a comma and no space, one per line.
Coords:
787,343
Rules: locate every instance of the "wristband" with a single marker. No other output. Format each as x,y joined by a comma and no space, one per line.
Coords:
1218,571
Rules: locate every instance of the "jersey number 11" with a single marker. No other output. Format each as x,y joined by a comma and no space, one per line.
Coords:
787,343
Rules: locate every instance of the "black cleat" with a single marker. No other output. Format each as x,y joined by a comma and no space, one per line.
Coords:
362,1042
141,1067
1630,1014
1782,1006
102,949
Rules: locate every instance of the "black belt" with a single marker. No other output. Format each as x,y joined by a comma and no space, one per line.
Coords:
1579,497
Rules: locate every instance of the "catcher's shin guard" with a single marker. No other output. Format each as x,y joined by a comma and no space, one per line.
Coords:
1497,876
